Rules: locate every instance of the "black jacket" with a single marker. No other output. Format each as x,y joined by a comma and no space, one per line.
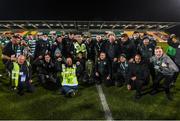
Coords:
140,70
55,46
127,48
68,47
103,67
121,68
111,50
46,68
41,48
146,52
99,46
90,50
137,42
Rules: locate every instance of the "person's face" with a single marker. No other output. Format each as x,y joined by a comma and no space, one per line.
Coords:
40,37
146,41
98,38
88,39
122,59
71,36
47,58
59,39
31,37
111,38
80,56
174,40
15,41
79,38
69,61
21,59
45,37
158,53
58,54
135,36
102,56
124,39
137,59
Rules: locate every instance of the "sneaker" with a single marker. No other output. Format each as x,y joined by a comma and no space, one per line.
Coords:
72,94
153,92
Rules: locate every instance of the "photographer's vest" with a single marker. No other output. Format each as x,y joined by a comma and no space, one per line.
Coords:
69,76
15,73
80,47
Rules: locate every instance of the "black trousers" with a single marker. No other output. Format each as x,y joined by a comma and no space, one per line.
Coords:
167,81
152,71
137,85
118,78
43,78
102,78
175,76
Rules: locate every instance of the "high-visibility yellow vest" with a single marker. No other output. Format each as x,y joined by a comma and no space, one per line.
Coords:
15,73
80,48
69,76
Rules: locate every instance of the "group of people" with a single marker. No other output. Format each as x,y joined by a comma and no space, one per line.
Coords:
67,60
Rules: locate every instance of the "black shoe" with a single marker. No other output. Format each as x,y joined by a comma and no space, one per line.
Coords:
137,96
118,84
98,82
29,91
172,85
153,92
21,93
169,96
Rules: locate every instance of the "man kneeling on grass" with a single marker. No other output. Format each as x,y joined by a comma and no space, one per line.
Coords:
69,78
165,69
21,74
138,76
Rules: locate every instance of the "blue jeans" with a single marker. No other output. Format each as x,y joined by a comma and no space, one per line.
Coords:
66,89
22,84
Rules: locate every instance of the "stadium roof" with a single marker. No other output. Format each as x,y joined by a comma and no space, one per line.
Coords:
84,25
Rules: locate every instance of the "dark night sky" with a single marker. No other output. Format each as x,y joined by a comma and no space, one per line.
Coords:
137,10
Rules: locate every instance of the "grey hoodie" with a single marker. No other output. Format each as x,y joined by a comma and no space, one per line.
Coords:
164,65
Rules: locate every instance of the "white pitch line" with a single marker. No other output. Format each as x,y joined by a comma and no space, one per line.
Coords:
105,106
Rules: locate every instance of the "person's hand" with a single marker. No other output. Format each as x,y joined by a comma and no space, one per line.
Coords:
97,74
47,76
13,59
131,60
156,67
129,87
30,81
164,65
108,78
13,56
59,59
40,57
133,78
78,63
115,59
23,43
